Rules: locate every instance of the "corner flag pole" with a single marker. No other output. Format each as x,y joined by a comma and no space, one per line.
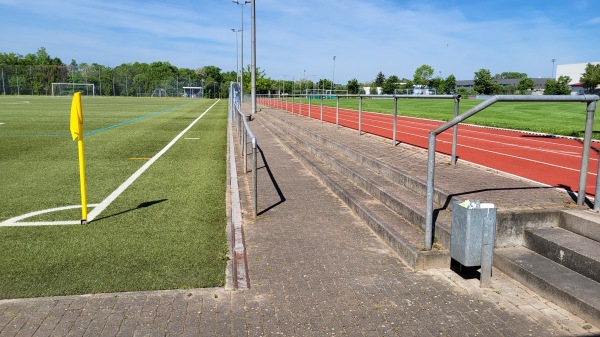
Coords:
77,132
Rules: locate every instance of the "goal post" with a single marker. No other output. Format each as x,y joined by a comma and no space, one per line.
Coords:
68,89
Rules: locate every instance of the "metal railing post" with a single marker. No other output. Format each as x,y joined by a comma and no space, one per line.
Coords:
245,151
585,157
394,128
337,112
360,115
455,131
254,178
321,109
309,106
428,243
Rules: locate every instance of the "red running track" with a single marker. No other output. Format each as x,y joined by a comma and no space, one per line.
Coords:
548,160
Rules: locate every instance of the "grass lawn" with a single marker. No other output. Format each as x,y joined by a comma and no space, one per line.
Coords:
559,118
166,231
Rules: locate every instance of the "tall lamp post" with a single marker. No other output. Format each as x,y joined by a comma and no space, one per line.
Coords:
333,78
553,60
237,58
242,3
253,92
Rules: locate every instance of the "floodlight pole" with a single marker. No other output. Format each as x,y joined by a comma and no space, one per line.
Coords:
242,48
253,92
237,52
333,78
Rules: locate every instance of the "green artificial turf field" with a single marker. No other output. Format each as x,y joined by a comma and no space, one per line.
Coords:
165,231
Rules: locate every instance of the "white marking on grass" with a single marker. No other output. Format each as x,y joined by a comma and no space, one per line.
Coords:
98,208
192,138
106,202
18,102
1,123
16,220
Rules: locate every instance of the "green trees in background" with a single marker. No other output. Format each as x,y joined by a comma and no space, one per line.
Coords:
33,74
558,87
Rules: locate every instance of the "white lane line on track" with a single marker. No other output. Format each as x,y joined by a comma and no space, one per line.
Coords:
576,154
106,202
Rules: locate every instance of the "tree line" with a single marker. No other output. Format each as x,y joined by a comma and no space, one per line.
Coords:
33,74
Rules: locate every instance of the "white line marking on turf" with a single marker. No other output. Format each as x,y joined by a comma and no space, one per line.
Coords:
192,138
98,208
102,205
15,221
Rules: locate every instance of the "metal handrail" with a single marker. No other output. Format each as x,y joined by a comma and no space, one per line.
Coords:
395,97
591,108
244,132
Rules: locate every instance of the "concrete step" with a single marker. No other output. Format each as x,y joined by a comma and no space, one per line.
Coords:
405,238
583,222
569,249
574,292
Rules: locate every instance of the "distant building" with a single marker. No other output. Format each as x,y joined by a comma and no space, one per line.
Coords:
574,71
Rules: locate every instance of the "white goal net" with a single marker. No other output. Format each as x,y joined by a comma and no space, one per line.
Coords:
68,89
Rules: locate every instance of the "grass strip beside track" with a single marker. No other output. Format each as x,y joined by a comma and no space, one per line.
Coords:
166,231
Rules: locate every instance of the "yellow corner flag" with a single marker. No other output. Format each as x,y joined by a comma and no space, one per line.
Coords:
77,133
76,116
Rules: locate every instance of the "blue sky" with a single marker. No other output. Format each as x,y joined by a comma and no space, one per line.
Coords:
300,38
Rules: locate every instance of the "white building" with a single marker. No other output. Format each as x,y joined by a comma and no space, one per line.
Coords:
574,71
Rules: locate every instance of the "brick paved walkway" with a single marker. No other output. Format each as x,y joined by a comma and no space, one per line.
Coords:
315,270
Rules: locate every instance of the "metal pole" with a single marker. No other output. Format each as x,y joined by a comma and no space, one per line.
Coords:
245,149
585,157
253,93
242,56
455,131
430,177
321,109
360,115
3,88
395,120
254,178
309,106
337,111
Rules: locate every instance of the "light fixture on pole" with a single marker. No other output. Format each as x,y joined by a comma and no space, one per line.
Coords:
553,60
237,2
237,58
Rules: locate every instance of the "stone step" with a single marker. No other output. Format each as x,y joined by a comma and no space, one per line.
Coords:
406,239
583,222
574,292
511,222
569,249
